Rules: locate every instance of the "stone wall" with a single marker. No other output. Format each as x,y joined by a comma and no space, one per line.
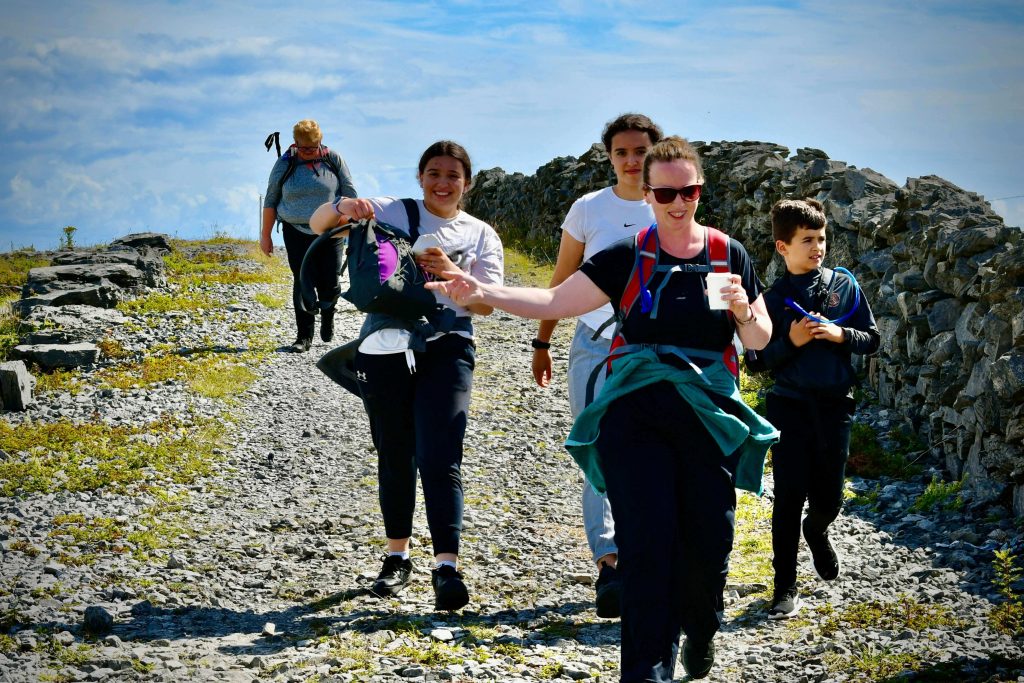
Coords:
944,275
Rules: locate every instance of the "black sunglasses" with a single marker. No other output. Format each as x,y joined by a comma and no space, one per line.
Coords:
666,195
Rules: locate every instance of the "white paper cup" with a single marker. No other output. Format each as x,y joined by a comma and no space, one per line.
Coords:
715,283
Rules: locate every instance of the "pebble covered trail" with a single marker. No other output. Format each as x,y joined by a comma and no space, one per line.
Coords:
267,578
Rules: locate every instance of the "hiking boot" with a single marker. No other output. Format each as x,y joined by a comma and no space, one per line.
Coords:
327,325
785,604
450,593
609,593
393,577
300,345
823,555
698,658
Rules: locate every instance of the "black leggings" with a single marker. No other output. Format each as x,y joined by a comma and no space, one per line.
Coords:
327,262
672,492
418,421
809,464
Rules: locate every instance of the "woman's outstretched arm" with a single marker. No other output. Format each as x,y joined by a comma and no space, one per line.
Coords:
576,296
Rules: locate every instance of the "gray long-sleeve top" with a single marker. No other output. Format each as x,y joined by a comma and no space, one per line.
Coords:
309,186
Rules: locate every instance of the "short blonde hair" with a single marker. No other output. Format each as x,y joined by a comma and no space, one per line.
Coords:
307,131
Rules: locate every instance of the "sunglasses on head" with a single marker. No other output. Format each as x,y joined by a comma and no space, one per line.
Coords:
666,195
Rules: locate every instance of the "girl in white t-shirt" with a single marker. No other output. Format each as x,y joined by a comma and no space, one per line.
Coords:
418,400
594,222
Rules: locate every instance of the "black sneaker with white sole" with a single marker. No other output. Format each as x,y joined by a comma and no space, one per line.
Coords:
785,604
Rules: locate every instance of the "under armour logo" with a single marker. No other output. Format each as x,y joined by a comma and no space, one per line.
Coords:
628,225
360,375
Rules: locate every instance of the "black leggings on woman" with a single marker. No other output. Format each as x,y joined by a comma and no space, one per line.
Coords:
327,263
418,421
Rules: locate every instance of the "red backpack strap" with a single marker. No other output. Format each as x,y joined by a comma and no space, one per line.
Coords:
720,262
718,251
643,266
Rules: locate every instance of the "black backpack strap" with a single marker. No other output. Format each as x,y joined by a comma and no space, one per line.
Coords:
412,211
273,139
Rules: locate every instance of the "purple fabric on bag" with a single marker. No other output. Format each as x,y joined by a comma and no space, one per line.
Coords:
387,258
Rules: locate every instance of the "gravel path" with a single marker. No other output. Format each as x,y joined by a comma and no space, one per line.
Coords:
265,575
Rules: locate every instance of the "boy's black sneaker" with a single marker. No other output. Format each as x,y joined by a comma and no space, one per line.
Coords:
450,593
823,555
698,658
393,577
327,325
785,604
300,345
609,593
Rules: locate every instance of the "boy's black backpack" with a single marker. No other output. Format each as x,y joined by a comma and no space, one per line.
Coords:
383,274
294,160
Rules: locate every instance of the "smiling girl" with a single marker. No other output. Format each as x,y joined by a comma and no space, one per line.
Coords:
416,391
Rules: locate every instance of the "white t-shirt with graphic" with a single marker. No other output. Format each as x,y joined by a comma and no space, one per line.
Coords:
598,220
471,244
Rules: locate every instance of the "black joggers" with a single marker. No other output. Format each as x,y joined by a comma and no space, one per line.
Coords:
418,421
327,263
809,464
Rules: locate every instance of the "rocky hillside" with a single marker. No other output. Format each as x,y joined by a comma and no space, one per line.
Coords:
943,273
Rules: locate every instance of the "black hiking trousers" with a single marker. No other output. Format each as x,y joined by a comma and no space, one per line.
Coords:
327,262
418,422
809,464
671,488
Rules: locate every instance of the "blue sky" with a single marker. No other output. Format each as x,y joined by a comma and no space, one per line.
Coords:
120,117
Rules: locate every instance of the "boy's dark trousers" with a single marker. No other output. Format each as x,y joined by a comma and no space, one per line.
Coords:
328,261
674,501
809,464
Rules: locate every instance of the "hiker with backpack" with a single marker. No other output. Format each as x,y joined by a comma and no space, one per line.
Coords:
595,221
416,385
303,178
669,436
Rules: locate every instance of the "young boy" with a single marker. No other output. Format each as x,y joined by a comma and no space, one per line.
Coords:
811,402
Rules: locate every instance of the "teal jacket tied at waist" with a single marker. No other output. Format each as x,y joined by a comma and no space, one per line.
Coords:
749,433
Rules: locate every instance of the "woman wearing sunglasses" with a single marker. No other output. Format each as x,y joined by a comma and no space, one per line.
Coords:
304,177
668,436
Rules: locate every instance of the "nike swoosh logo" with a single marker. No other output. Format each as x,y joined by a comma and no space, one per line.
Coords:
628,225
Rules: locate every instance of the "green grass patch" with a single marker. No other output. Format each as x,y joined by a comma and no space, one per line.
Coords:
434,654
752,545
561,629
112,348
270,300
188,300
904,613
939,495
59,380
212,375
530,268
874,664
14,267
86,457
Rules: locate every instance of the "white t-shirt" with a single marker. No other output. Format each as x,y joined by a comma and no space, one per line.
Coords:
471,244
598,220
